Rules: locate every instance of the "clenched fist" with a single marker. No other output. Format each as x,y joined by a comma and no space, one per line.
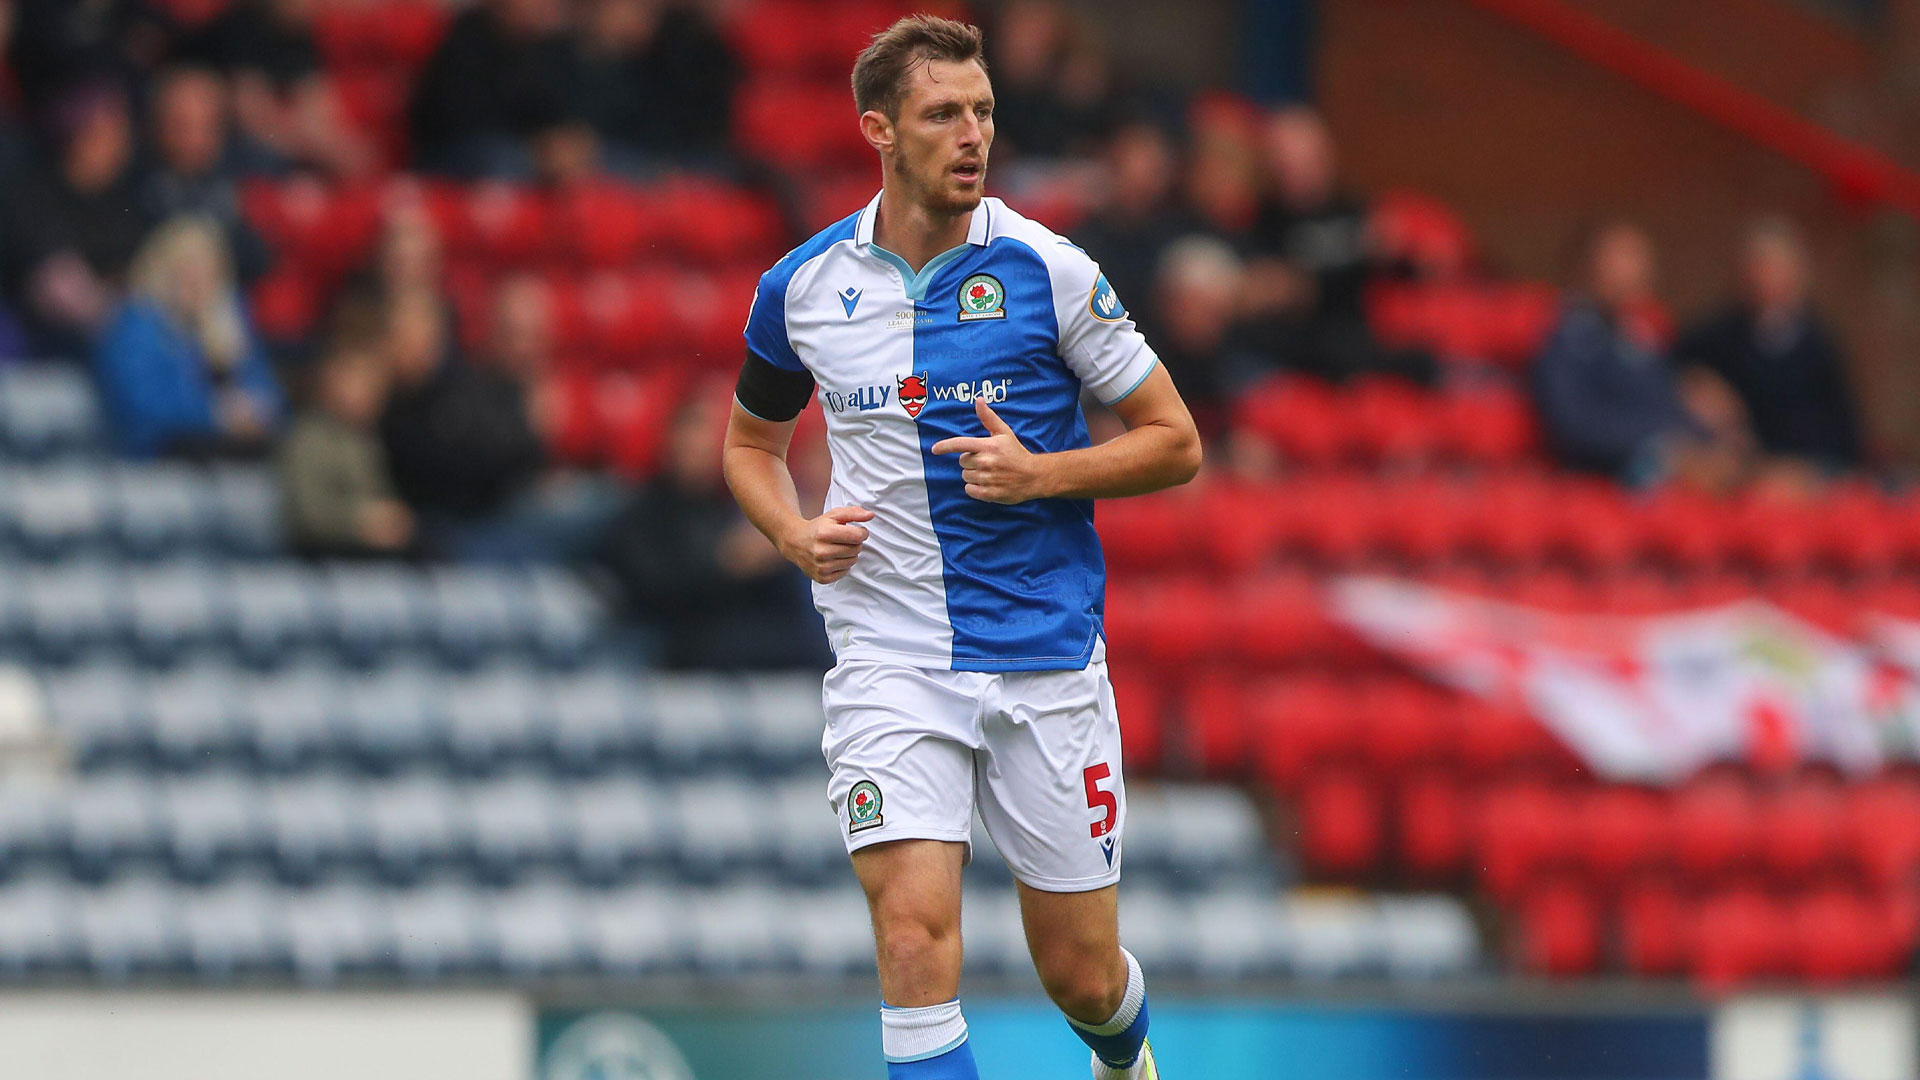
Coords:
825,547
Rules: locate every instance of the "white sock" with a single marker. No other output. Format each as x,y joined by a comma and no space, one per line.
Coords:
917,1034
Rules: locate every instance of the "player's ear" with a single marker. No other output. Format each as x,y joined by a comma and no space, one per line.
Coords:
877,129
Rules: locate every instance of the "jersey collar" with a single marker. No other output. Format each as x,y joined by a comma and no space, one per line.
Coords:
976,229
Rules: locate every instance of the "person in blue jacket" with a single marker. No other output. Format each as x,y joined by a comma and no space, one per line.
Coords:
179,369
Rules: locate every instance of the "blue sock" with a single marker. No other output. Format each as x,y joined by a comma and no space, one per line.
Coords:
927,1043
1117,1042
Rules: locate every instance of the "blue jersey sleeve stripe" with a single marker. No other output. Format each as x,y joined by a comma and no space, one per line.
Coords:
1136,383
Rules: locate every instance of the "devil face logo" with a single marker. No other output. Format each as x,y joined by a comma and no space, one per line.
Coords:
913,394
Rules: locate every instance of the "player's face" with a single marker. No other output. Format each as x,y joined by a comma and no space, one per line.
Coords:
941,139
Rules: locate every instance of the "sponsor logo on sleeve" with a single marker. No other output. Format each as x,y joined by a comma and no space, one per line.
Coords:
1104,303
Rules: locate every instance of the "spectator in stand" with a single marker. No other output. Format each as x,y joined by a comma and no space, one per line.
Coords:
282,95
1313,257
73,224
195,168
649,80
1774,354
179,370
1197,330
493,99
465,441
1052,82
1136,219
1608,402
338,496
690,566
59,46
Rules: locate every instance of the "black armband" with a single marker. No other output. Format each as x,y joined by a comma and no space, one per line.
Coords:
772,393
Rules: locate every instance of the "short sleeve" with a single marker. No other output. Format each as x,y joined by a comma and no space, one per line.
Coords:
1098,339
767,321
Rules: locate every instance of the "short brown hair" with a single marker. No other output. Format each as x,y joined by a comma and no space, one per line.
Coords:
880,74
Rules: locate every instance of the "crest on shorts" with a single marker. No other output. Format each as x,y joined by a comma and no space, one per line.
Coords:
863,806
981,297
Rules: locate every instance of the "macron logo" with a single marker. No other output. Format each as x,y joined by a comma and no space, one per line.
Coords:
849,299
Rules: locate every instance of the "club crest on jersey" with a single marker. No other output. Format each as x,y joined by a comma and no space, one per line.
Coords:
863,807
913,393
981,297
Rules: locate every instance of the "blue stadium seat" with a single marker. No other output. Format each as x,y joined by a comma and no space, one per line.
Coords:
376,610
417,824
475,612
172,610
733,931
1427,937
97,712
990,926
71,609
719,828
131,927
192,710
288,720
805,832
315,824
783,720
246,510
213,823
237,928
1153,926
564,620
341,928
495,716
392,717
537,929
48,409
113,818
39,927
988,865
438,931
161,508
58,511
618,824
694,722
516,823
33,822
273,611
829,932
1195,835
639,930
595,723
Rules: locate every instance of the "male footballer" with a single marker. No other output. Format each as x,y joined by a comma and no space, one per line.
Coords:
957,569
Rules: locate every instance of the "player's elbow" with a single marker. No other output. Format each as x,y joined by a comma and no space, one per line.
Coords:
1187,453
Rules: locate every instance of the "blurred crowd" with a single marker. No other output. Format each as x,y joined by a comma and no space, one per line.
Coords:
126,133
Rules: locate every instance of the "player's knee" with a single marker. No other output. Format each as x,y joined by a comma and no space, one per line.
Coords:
912,940
1083,988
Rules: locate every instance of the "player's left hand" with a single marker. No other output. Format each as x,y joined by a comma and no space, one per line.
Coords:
996,468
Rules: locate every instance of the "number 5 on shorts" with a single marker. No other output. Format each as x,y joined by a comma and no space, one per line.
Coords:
1100,800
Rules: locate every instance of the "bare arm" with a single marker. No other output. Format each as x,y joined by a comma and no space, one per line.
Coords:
755,463
1160,449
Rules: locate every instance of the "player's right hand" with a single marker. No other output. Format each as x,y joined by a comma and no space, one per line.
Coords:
825,547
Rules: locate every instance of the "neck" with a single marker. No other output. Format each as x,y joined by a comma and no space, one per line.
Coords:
913,232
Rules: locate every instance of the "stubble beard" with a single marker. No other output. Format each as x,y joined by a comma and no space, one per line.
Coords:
937,194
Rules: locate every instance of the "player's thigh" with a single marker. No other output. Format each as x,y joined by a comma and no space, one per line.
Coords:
898,748
1052,793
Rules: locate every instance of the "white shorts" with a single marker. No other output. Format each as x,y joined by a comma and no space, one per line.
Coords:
914,751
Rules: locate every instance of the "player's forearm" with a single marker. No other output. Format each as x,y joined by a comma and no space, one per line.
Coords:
763,486
1145,459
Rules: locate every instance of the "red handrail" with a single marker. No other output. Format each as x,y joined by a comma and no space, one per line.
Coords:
1857,174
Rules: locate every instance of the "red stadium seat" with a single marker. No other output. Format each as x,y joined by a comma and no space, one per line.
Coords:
1339,824
324,231
1218,730
798,126
1740,935
1560,930
285,305
714,224
1841,935
1487,426
606,224
1424,232
1656,929
780,37
1140,702
1435,829
1883,830
1593,525
501,225
1500,737
1391,419
1146,535
1302,418
1853,529
1273,620
1770,534
1514,519
1682,528
620,324
1517,320
1334,518
1715,827
1523,831
1431,521
1405,724
1300,725
1623,830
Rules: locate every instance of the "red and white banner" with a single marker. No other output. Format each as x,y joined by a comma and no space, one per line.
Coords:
1655,698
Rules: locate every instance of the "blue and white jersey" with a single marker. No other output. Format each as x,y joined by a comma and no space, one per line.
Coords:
1018,316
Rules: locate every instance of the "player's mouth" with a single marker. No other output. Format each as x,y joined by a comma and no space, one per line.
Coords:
968,173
